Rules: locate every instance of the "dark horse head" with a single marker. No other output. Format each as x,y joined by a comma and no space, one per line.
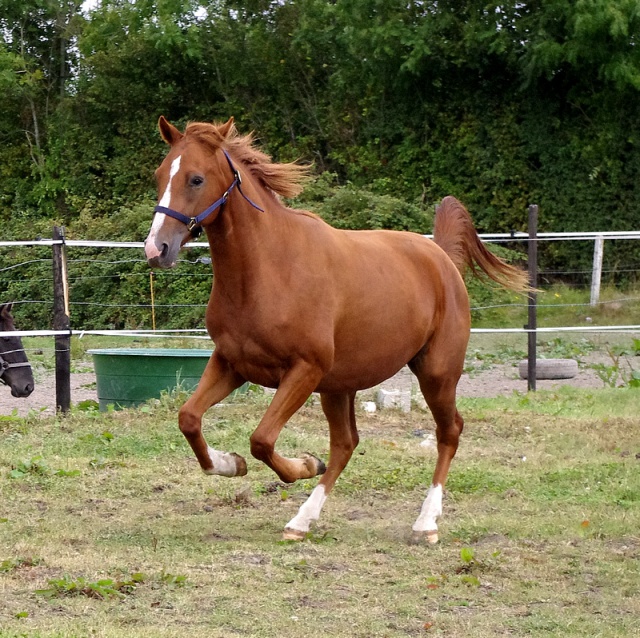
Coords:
15,370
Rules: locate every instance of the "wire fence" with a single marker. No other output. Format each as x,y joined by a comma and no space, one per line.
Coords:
99,303
64,288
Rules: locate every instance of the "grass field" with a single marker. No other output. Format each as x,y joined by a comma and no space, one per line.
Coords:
108,528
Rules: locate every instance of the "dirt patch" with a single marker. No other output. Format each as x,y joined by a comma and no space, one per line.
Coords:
43,398
496,381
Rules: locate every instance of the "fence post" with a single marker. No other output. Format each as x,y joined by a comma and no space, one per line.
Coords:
532,324
61,321
596,276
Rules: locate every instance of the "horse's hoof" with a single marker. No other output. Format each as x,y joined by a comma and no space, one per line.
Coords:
430,537
315,465
241,464
291,534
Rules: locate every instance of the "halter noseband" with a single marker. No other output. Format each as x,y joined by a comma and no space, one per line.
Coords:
5,365
194,224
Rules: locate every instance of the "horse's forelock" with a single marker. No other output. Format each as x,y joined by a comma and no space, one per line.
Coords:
205,133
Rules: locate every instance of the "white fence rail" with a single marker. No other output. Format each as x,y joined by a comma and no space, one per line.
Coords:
65,331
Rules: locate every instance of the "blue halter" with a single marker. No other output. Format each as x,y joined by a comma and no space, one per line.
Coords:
194,224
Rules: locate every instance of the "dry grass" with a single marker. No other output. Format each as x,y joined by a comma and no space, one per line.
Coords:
539,537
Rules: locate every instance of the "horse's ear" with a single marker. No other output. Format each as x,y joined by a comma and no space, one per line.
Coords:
170,134
226,128
5,308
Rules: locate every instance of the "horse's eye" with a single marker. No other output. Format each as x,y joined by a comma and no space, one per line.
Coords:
196,180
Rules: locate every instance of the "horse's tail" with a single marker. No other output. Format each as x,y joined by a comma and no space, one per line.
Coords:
454,232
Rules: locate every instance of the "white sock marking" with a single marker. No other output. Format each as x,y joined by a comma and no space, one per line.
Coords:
309,511
224,464
431,509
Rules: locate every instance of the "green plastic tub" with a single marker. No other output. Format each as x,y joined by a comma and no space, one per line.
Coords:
127,377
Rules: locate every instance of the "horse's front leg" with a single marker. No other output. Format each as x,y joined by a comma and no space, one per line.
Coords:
217,382
294,389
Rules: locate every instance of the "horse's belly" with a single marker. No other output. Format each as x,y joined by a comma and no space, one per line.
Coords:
352,381
359,368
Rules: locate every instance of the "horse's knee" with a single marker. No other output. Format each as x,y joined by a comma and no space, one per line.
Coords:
189,423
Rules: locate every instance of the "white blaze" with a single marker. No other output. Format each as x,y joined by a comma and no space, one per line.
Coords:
175,167
158,218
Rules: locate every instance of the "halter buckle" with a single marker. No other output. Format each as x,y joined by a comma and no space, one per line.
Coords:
192,224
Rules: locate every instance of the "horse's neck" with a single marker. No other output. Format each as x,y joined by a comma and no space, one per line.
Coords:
244,241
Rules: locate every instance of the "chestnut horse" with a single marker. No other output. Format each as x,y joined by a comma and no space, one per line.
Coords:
299,306
15,369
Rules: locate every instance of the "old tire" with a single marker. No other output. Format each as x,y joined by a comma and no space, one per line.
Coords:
550,368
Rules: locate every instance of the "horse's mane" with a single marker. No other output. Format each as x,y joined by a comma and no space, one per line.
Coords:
283,179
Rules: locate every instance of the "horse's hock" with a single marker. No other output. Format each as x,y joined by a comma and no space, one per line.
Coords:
550,368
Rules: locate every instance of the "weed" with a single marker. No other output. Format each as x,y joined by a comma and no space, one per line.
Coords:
467,555
101,589
173,580
12,564
37,466
560,348
608,374
87,406
617,373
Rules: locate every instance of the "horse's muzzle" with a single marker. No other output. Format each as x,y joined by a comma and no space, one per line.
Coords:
158,257
22,391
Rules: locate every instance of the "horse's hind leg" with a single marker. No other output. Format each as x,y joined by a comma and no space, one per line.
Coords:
340,412
439,389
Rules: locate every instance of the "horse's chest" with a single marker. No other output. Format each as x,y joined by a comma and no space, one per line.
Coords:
250,359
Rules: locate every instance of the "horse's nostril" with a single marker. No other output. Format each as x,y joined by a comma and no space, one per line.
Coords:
165,250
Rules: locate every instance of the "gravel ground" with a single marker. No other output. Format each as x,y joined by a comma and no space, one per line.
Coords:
498,380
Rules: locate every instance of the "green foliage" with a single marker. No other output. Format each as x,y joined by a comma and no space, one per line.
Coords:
396,103
351,207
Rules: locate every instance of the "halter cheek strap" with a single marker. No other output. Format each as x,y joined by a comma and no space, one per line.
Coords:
194,224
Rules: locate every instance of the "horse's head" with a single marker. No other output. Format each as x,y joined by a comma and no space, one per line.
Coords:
15,370
194,176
